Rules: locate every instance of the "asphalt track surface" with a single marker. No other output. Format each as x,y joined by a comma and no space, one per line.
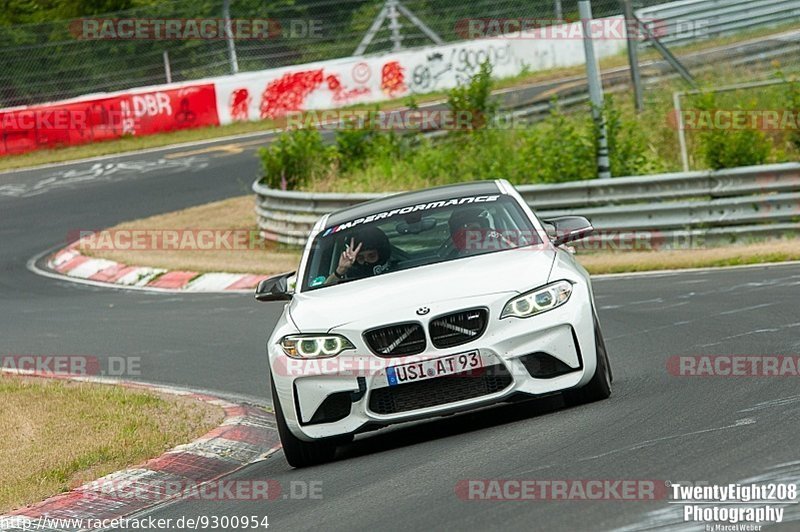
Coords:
655,426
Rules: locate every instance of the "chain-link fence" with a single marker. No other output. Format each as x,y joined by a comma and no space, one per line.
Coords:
728,42
45,62
58,59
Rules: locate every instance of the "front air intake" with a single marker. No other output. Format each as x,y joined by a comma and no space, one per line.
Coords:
440,390
544,366
458,328
399,340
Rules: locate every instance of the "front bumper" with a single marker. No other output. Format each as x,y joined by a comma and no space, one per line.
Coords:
350,393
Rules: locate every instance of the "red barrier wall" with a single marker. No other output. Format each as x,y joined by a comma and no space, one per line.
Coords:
95,119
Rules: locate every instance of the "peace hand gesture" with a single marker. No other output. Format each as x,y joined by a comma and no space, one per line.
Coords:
348,257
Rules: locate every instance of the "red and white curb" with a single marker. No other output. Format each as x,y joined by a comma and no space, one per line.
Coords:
247,434
70,264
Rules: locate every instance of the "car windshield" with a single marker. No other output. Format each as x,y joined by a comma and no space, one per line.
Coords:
417,235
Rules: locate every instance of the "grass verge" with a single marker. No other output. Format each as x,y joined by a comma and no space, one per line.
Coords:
734,255
237,213
66,434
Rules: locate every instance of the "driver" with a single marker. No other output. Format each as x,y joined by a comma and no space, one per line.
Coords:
366,255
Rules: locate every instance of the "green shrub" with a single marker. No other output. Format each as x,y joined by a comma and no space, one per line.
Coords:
471,103
352,147
731,148
561,148
792,104
630,152
295,160
358,144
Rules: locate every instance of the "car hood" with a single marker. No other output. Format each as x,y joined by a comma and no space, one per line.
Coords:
392,295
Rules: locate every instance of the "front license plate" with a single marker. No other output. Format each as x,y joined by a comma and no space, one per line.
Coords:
430,369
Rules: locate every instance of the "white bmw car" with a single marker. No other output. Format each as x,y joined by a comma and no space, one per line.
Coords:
428,303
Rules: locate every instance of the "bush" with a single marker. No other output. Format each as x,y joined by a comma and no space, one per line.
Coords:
353,146
472,101
792,104
629,150
562,149
358,144
731,148
295,160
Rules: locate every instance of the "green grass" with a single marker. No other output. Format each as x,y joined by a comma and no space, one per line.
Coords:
763,252
67,434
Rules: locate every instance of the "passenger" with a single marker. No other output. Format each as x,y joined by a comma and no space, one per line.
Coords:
467,227
471,232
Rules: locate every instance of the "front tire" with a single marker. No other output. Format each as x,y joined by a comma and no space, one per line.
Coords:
300,453
599,387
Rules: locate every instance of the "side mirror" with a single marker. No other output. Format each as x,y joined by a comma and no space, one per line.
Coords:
275,288
569,229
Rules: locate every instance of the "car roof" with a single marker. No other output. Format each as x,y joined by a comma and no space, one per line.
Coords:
404,199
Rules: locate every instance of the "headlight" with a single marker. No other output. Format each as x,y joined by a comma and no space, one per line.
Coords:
314,345
537,301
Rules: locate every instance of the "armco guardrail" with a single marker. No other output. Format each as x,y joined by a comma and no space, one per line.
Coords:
690,20
677,210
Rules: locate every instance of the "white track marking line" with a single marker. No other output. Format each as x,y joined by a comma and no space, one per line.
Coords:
613,276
